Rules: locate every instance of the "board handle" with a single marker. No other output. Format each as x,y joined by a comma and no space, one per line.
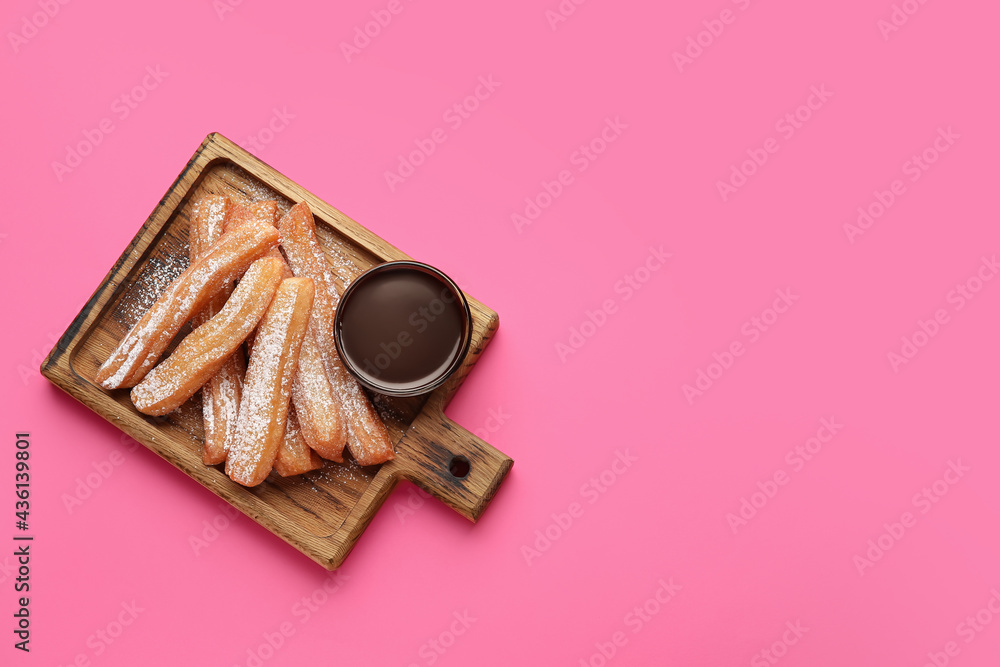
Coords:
453,465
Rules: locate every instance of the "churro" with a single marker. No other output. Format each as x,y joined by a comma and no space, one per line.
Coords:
317,409
260,428
220,396
368,440
204,351
225,260
294,455
208,219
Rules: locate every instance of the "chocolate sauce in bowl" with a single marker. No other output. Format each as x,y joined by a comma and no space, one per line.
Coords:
402,328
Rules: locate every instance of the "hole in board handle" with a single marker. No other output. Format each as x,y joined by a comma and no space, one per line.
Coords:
459,467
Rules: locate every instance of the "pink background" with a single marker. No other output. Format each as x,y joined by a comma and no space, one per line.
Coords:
342,125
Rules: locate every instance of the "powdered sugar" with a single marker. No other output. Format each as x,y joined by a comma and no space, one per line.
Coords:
337,475
156,276
255,191
345,268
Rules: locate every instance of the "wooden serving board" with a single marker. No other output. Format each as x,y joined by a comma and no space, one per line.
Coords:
322,513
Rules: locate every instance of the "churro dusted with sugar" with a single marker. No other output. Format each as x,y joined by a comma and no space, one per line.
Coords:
368,440
260,428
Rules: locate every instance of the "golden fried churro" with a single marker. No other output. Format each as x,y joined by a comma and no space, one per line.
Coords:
294,455
268,387
225,260
220,396
203,352
368,440
318,409
207,222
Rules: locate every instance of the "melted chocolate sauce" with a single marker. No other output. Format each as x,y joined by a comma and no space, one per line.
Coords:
402,328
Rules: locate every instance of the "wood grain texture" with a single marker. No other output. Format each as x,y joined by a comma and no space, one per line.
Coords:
321,513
